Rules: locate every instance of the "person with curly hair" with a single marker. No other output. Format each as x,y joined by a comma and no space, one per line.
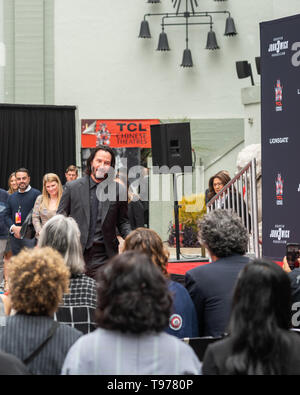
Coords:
133,310
259,341
210,286
37,280
183,319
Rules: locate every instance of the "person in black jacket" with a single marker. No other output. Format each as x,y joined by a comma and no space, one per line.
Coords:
135,205
99,206
259,341
211,285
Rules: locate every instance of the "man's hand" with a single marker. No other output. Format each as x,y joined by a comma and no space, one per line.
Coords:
16,230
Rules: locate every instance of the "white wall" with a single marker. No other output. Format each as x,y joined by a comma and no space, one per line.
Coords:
102,66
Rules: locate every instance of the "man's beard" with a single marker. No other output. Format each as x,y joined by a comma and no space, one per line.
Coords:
22,186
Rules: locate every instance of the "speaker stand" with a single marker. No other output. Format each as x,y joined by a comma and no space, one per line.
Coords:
176,214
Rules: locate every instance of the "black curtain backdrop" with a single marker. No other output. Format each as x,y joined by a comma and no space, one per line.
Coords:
39,138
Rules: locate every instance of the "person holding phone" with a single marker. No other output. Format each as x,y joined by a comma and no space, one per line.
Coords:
291,263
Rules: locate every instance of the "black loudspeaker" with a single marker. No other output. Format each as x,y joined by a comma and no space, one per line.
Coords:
242,69
257,62
171,148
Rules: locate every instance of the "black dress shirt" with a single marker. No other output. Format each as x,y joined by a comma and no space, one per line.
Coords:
95,230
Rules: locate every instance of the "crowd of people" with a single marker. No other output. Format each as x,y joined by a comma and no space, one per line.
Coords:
73,302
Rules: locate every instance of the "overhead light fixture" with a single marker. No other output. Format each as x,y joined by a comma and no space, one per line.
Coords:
211,40
230,27
244,70
187,60
163,44
145,30
188,13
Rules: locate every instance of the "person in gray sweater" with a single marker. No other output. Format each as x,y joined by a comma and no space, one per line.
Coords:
133,311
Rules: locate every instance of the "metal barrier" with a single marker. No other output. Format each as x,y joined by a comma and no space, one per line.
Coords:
240,195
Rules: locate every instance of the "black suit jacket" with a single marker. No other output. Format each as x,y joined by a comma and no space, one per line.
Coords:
75,202
136,214
211,288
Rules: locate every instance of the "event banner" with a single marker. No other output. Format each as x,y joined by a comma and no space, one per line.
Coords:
116,133
280,110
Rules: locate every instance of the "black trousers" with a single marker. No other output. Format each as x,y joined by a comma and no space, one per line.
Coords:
95,258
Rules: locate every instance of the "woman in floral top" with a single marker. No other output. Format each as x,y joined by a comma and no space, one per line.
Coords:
46,205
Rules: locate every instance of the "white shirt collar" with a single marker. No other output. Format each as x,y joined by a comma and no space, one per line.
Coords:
26,190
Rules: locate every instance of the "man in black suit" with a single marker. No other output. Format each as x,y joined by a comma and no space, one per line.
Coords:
211,286
99,205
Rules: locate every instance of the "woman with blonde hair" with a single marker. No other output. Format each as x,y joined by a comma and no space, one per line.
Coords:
183,319
46,204
12,184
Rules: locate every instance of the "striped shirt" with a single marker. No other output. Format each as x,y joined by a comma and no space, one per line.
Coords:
24,333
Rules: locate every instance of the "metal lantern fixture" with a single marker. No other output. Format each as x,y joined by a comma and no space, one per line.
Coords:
145,30
188,13
211,40
163,44
230,27
187,60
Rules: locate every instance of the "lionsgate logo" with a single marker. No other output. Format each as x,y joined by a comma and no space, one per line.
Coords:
278,46
279,234
279,140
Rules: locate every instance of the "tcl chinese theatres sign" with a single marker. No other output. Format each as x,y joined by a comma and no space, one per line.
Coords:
116,133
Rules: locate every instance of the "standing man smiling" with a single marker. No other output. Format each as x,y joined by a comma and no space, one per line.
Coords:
97,213
19,205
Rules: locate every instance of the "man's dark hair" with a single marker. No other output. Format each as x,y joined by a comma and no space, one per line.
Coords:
93,154
22,170
223,233
72,168
132,295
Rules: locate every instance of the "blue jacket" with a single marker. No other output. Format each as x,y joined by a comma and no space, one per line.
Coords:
183,321
3,204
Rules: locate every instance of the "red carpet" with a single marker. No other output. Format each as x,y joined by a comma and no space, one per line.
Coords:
183,267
